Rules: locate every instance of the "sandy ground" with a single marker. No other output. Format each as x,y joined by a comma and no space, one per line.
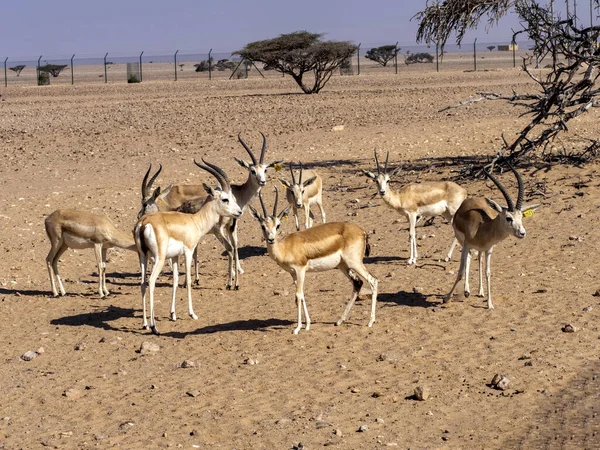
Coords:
255,385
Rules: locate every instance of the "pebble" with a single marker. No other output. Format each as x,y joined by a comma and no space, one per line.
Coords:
282,293
72,393
338,432
355,390
500,382
597,293
568,328
28,355
338,128
421,393
149,348
379,420
381,357
587,309
193,393
417,290
250,361
363,428
40,350
80,346
187,364
322,424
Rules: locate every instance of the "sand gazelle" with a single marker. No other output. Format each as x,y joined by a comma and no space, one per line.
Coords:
71,228
302,194
324,247
480,223
417,200
166,235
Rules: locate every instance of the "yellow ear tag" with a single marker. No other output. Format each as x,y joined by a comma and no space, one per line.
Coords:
277,167
528,213
287,218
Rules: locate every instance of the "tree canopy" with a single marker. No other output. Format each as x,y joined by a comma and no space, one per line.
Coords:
382,55
568,90
299,53
53,69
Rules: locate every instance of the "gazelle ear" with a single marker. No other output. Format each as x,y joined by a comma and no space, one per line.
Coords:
396,171
284,213
209,190
308,182
277,165
164,193
155,194
371,175
494,205
528,210
285,183
254,212
242,163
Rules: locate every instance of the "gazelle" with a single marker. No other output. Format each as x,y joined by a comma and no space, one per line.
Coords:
480,224
417,200
324,247
301,195
166,235
70,228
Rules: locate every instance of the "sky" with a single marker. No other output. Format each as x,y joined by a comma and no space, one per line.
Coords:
60,28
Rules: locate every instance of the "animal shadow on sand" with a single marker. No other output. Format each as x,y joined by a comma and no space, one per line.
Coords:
403,298
99,318
263,325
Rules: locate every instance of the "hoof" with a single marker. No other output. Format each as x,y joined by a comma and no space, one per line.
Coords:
297,330
197,282
155,331
371,324
339,322
145,327
194,316
228,287
237,288
240,271
446,259
446,299
173,317
467,294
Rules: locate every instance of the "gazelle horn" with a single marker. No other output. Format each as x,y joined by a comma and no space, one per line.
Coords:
376,161
262,203
509,202
247,148
264,148
521,193
147,185
292,172
276,201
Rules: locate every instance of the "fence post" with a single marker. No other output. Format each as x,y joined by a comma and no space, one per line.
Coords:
141,77
514,46
5,79
591,14
72,75
358,60
37,70
396,57
475,55
437,56
209,65
105,74
175,59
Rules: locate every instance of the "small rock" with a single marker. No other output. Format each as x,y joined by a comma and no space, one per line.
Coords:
597,293
363,428
529,363
80,346
193,393
352,214
390,275
186,364
421,393
417,290
282,293
72,393
194,432
149,348
376,394
338,128
355,200
355,390
587,309
500,382
282,421
575,238
338,432
381,357
525,356
28,355
126,425
379,420
568,328
249,361
322,424
40,350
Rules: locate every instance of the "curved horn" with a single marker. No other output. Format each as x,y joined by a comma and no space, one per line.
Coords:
292,172
262,203
300,180
247,148
276,201
387,157
376,161
147,185
213,172
264,148
521,193
509,202
221,172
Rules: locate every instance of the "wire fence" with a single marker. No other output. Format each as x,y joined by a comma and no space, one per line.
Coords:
150,67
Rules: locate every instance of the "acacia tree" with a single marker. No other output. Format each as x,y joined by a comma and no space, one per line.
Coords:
17,69
299,53
565,92
53,69
382,55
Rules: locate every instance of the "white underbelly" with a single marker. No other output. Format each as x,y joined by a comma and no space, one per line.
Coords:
325,263
174,247
435,209
76,241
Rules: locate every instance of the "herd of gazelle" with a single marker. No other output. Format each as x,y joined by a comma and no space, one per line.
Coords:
172,222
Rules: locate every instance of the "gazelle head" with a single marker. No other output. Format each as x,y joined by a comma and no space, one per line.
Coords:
149,197
258,169
269,224
226,203
511,216
297,188
382,178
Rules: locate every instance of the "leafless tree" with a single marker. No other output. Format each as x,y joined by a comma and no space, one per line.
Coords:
568,90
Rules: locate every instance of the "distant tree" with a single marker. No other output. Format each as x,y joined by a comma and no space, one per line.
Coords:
382,55
181,66
53,69
17,69
491,47
202,66
224,64
299,53
414,58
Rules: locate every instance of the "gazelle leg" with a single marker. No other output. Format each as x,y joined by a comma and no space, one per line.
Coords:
295,211
463,261
481,269
175,267
467,268
357,283
449,255
320,205
488,275
299,280
104,251
98,253
188,275
159,263
234,241
196,267
63,248
143,285
223,239
412,219
51,259
309,216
